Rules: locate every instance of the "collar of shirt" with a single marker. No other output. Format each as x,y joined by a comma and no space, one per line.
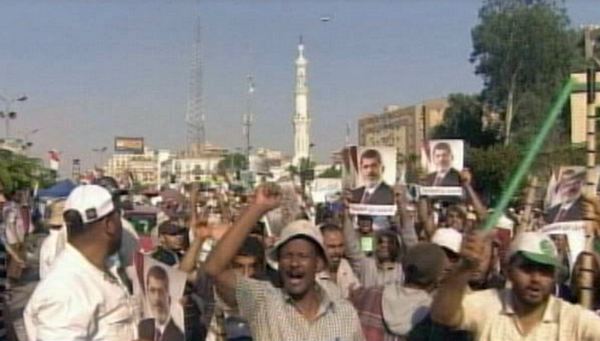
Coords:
372,189
567,205
325,305
551,313
442,173
161,327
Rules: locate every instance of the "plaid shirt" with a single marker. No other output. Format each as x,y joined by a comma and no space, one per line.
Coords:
273,317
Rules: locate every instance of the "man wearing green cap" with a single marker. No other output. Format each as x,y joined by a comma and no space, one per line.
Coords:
527,310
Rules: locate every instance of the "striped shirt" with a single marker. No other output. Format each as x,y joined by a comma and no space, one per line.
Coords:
273,317
490,315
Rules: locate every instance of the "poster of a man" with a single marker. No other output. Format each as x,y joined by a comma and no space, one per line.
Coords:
163,315
444,162
566,196
377,168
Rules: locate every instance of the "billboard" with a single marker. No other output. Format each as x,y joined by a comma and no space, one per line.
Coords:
130,145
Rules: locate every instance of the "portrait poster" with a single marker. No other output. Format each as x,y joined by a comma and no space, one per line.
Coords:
160,290
376,175
573,241
563,200
443,160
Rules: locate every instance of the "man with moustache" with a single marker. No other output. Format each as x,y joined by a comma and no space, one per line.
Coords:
525,311
300,310
375,191
161,326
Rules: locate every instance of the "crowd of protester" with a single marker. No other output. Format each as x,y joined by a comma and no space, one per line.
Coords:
427,273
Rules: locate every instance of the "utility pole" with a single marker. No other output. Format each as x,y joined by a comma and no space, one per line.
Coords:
247,119
587,269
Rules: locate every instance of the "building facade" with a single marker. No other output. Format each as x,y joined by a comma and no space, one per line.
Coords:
579,107
403,128
142,169
192,165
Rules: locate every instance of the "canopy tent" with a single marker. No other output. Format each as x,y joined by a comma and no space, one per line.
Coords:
60,190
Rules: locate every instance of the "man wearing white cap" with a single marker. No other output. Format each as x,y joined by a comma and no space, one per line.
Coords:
301,310
83,298
526,311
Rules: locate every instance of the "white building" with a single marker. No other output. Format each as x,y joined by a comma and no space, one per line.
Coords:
190,166
301,119
144,168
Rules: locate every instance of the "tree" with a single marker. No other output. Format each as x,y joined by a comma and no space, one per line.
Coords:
331,172
523,49
20,172
463,119
236,160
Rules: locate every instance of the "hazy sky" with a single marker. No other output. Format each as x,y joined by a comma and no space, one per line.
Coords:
98,69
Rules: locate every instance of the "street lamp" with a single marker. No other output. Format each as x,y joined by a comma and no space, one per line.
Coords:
100,151
7,114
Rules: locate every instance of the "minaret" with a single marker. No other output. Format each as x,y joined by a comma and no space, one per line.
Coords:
301,119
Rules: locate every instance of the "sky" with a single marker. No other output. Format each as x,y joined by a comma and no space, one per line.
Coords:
93,70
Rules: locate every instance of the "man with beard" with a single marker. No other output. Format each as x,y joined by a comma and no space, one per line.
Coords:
569,189
84,297
527,310
445,174
300,310
375,191
161,326
339,271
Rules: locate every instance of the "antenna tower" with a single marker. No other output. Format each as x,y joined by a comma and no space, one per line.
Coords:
194,118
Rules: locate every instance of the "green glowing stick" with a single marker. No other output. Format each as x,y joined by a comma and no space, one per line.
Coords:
534,149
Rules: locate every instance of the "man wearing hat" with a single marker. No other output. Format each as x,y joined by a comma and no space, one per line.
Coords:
300,310
526,311
83,297
56,240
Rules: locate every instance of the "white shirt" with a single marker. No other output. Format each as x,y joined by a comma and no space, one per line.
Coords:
51,247
79,302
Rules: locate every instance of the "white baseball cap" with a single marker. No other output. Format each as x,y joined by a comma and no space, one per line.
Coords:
448,238
536,247
295,229
91,201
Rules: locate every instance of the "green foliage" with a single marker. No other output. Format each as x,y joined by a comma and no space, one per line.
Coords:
236,160
492,168
524,51
463,120
331,172
20,172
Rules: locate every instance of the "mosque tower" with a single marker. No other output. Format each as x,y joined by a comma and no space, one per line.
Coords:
301,118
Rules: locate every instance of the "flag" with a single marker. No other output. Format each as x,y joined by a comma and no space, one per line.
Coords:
54,159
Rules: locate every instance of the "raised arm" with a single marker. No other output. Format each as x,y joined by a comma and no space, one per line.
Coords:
267,198
351,243
446,307
472,196
405,225
425,218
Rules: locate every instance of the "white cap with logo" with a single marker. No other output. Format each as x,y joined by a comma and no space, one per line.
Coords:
536,247
91,201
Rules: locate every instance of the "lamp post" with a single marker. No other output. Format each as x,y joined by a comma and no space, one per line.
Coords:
100,152
7,114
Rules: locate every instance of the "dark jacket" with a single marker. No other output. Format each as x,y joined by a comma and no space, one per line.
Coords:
146,330
452,178
574,213
383,195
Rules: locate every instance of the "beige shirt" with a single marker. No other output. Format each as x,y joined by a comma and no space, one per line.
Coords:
345,279
273,317
489,314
